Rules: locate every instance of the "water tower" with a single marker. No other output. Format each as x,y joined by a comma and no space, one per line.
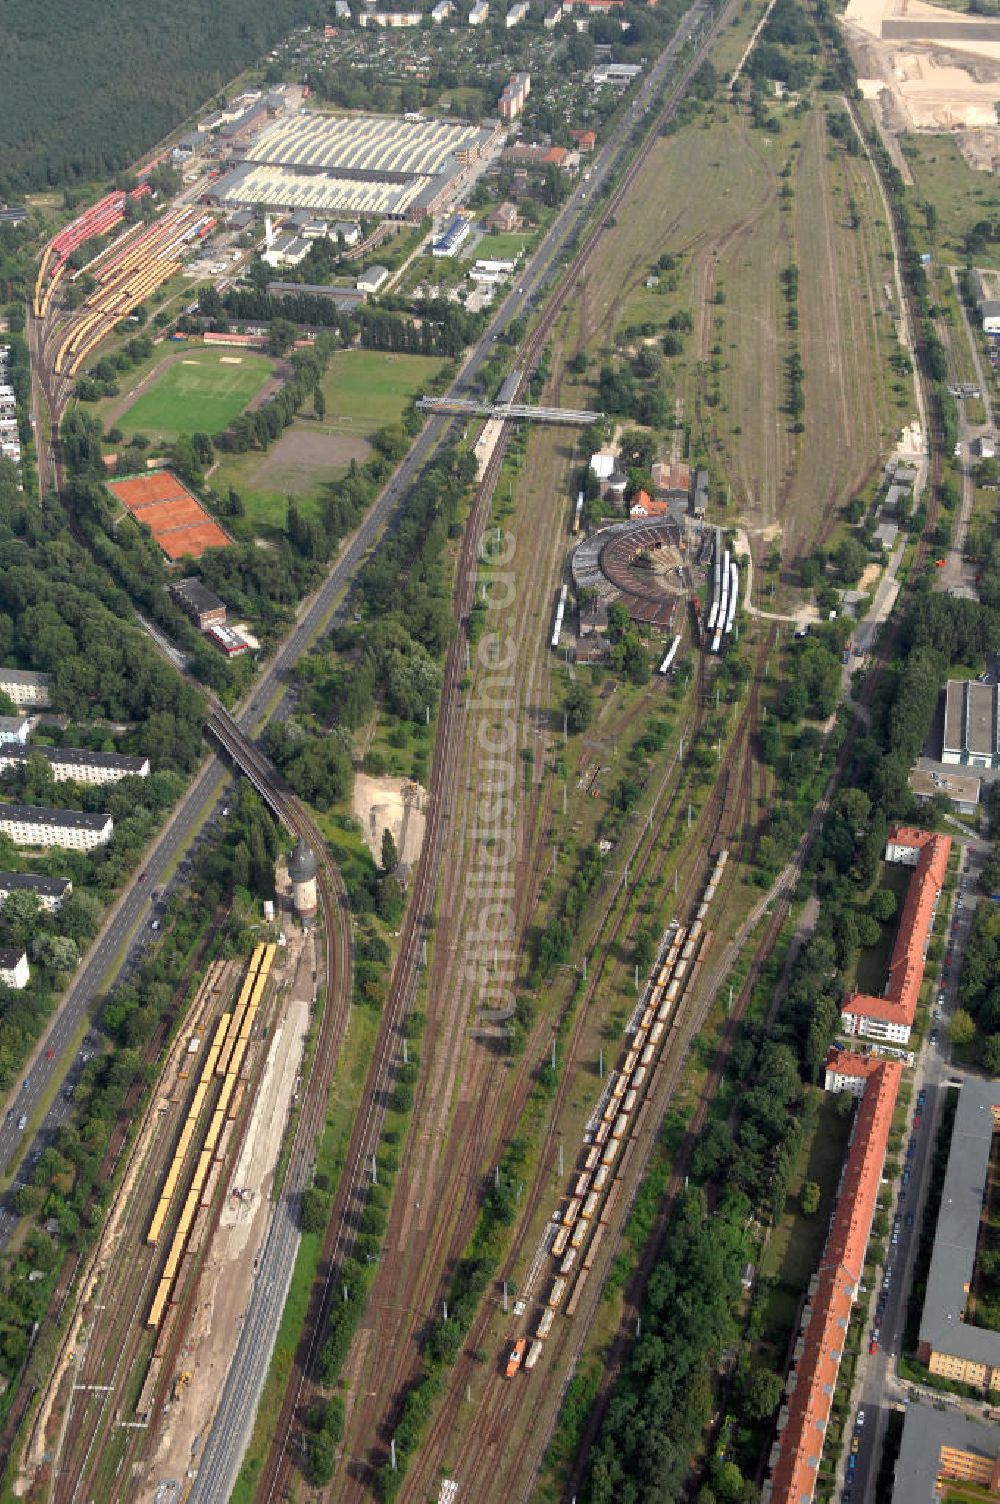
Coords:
302,872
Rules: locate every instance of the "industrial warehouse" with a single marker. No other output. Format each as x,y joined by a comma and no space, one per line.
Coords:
356,165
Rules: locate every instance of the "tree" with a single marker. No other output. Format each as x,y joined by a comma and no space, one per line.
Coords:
763,1390
962,1029
315,1210
809,1198
281,337
390,856
883,904
319,404
578,704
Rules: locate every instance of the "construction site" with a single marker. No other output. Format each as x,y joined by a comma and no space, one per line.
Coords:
160,1309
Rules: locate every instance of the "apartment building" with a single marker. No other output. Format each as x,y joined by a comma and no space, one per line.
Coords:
14,970
890,1017
948,1342
50,891
941,1447
36,825
75,764
25,687
805,1414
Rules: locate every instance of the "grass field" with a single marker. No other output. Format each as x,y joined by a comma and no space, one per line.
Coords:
959,194
368,389
365,390
200,391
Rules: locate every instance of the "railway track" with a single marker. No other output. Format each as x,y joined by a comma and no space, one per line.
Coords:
132,1291
724,814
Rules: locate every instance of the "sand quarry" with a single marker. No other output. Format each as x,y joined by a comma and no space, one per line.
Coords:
941,84
396,804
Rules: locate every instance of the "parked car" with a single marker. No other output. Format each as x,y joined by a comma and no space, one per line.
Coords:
861,1419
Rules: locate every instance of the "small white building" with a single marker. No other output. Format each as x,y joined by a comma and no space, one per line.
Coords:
516,14
35,825
371,280
342,10
479,13
441,11
288,249
25,687
553,17
347,230
14,968
14,730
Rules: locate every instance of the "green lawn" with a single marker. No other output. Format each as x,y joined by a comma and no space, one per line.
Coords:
201,392
794,1247
367,389
502,247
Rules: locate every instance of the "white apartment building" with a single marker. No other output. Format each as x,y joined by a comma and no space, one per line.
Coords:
35,825
50,891
76,764
25,687
14,968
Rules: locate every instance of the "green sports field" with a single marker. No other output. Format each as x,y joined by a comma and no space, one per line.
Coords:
201,392
367,389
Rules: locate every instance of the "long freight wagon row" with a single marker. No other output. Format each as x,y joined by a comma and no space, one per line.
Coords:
99,219
225,1059
594,1178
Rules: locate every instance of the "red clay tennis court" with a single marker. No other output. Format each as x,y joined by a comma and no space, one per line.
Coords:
176,519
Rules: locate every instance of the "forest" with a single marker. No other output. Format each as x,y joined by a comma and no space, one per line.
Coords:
88,85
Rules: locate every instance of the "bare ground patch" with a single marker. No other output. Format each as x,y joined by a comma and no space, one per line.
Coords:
304,457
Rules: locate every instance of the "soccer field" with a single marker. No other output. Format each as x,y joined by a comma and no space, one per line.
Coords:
201,392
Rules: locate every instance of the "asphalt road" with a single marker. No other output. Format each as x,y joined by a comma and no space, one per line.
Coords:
878,1388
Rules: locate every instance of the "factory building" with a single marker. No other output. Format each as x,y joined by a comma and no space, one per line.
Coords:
35,825
25,687
448,242
971,724
200,603
14,970
357,166
50,891
75,764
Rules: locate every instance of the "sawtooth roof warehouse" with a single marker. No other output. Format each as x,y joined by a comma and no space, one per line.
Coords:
355,164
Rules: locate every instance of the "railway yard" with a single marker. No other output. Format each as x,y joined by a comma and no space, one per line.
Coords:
583,933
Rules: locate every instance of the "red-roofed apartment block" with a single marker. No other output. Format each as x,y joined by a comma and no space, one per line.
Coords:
848,1072
805,1414
890,1016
